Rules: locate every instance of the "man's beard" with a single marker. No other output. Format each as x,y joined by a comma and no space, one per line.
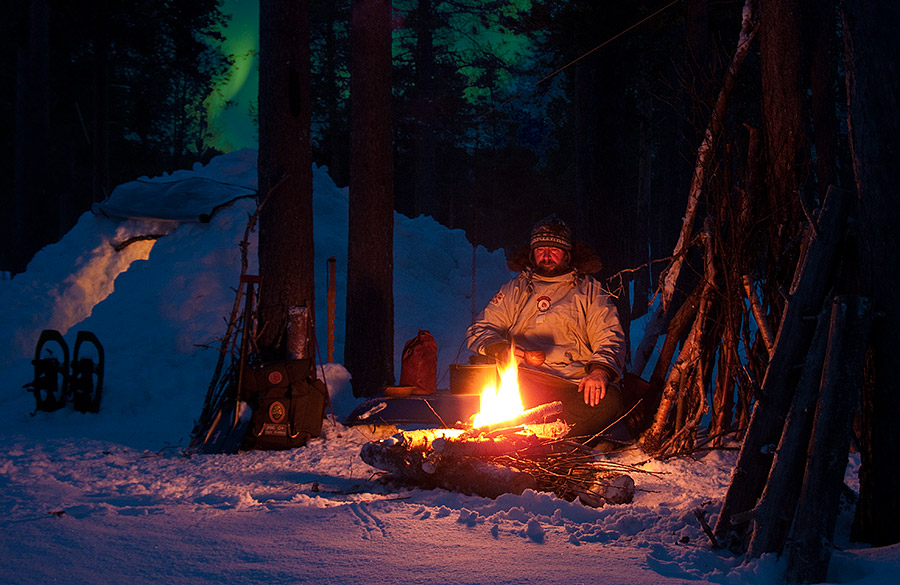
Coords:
547,269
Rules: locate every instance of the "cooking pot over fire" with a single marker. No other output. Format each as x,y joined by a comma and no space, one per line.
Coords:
472,378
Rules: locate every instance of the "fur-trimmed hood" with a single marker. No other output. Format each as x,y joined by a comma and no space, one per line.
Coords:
583,259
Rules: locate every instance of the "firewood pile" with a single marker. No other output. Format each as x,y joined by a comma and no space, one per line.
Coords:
507,457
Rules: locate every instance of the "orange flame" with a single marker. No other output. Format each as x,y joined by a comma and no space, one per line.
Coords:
504,402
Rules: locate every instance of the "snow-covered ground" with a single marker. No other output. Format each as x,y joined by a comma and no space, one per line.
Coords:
112,498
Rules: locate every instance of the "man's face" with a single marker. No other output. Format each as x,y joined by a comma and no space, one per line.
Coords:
550,261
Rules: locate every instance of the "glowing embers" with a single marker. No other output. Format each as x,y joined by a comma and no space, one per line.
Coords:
503,402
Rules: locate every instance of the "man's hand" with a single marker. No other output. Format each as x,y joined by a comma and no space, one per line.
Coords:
594,386
498,350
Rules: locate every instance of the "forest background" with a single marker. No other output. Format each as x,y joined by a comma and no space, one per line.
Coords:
121,91
687,134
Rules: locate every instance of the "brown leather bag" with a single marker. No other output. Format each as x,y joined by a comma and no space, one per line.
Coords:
418,365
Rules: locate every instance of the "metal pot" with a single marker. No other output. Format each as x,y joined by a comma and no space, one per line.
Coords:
472,378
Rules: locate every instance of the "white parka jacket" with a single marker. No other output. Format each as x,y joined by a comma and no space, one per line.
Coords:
569,317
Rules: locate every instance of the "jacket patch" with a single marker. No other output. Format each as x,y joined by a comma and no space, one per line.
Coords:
543,303
497,298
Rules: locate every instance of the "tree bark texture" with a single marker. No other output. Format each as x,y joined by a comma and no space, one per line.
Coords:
765,331
873,87
677,330
286,260
785,79
823,482
369,345
791,345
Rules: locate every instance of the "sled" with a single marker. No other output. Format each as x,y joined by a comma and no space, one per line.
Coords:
441,409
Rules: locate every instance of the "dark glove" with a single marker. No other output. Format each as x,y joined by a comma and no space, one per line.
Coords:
497,350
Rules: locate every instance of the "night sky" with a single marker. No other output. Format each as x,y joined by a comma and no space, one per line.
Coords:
234,125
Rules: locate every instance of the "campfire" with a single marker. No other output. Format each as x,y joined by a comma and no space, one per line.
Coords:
501,402
505,448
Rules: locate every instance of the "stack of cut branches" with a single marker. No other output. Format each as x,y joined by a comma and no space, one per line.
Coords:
507,457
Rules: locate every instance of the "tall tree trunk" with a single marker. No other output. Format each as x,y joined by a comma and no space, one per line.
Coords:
369,345
784,67
603,135
286,260
424,114
587,152
873,87
100,187
335,146
823,84
36,207
643,247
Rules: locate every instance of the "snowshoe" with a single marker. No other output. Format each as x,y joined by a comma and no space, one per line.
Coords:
86,385
51,376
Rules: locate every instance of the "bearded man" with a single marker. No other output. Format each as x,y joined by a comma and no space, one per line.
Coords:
565,327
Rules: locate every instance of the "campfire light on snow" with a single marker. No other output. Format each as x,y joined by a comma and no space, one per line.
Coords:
501,403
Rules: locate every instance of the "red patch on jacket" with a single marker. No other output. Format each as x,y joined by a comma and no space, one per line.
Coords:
543,303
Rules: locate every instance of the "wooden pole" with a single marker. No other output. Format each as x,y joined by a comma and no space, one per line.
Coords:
775,511
814,272
330,304
851,321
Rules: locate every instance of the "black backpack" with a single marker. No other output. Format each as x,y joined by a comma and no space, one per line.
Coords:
288,404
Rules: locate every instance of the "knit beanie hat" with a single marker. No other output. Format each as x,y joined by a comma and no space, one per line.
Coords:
551,231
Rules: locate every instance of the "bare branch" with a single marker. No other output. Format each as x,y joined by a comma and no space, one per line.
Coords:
749,26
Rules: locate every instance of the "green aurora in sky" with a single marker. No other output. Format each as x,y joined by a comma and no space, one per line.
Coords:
229,107
233,125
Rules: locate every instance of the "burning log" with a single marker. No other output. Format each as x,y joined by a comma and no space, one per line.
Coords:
502,458
532,441
533,415
469,475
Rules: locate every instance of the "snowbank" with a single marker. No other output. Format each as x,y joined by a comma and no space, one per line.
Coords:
111,498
